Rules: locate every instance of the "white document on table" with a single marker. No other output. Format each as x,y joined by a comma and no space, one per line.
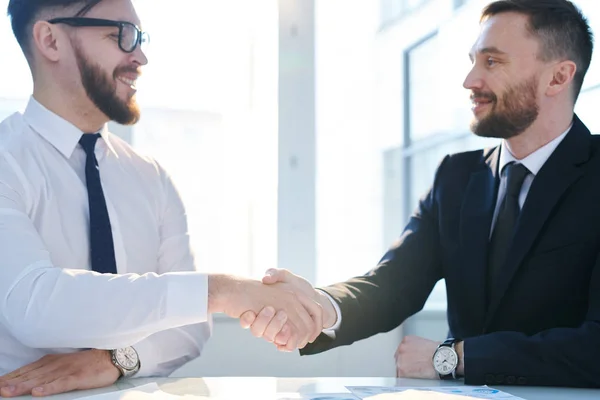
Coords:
316,396
437,392
151,391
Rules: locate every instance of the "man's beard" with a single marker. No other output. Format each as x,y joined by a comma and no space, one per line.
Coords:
103,91
512,115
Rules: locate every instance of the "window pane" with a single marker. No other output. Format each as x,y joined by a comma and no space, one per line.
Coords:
423,99
209,115
15,82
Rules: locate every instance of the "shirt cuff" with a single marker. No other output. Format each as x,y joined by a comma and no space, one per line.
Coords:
149,356
338,316
183,301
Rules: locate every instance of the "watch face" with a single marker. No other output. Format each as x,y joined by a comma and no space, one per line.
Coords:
445,360
127,358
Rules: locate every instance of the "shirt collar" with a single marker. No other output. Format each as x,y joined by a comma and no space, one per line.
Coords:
535,160
59,132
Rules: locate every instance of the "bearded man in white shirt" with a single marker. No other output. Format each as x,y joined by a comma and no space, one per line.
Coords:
97,277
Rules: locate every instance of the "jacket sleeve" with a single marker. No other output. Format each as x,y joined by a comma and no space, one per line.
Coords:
396,288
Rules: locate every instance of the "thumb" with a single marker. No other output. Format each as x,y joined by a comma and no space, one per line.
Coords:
247,319
273,276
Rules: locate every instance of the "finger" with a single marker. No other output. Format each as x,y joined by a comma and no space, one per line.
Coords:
275,326
247,319
303,323
23,383
274,275
23,387
292,343
61,385
23,370
262,321
284,335
315,311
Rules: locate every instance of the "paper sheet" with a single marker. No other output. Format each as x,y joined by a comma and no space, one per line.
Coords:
151,391
317,396
450,392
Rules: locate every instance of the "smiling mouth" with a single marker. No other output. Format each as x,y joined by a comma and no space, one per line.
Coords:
129,82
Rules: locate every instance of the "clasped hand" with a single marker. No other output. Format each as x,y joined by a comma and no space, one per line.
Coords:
274,326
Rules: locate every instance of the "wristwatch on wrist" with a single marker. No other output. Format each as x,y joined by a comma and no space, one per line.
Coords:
126,360
445,360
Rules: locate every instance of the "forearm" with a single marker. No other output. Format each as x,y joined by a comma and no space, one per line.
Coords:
372,304
557,357
49,307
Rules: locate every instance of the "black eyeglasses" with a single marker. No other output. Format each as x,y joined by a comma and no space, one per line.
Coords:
130,36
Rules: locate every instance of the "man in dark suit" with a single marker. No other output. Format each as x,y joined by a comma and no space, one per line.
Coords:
514,230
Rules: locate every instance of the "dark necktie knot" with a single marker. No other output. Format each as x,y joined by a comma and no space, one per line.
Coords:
515,175
88,142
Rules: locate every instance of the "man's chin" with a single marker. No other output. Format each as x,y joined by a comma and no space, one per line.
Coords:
478,128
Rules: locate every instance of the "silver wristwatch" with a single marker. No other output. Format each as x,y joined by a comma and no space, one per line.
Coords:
126,360
445,360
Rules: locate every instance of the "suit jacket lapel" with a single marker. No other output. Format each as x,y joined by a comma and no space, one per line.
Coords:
559,172
477,211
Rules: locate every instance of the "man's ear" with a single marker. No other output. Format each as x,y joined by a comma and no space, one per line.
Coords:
46,39
562,77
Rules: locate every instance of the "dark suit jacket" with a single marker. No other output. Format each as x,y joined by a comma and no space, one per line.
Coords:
543,323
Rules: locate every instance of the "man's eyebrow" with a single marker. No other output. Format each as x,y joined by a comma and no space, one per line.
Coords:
487,50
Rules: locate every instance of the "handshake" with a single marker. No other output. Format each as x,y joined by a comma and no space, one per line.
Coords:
284,308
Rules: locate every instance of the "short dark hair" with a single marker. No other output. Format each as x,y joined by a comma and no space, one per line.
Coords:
24,13
562,30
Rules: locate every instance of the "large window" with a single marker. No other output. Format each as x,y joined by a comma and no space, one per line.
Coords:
429,135
209,116
209,101
391,10
15,80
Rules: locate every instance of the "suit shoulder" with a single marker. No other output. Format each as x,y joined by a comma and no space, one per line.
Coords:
466,159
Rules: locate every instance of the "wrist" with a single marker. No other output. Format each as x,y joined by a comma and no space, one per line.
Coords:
460,351
329,314
106,360
219,288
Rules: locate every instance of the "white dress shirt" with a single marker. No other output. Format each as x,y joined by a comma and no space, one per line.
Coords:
533,162
50,301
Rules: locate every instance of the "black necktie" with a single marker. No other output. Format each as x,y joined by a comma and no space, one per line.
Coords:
101,240
506,222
